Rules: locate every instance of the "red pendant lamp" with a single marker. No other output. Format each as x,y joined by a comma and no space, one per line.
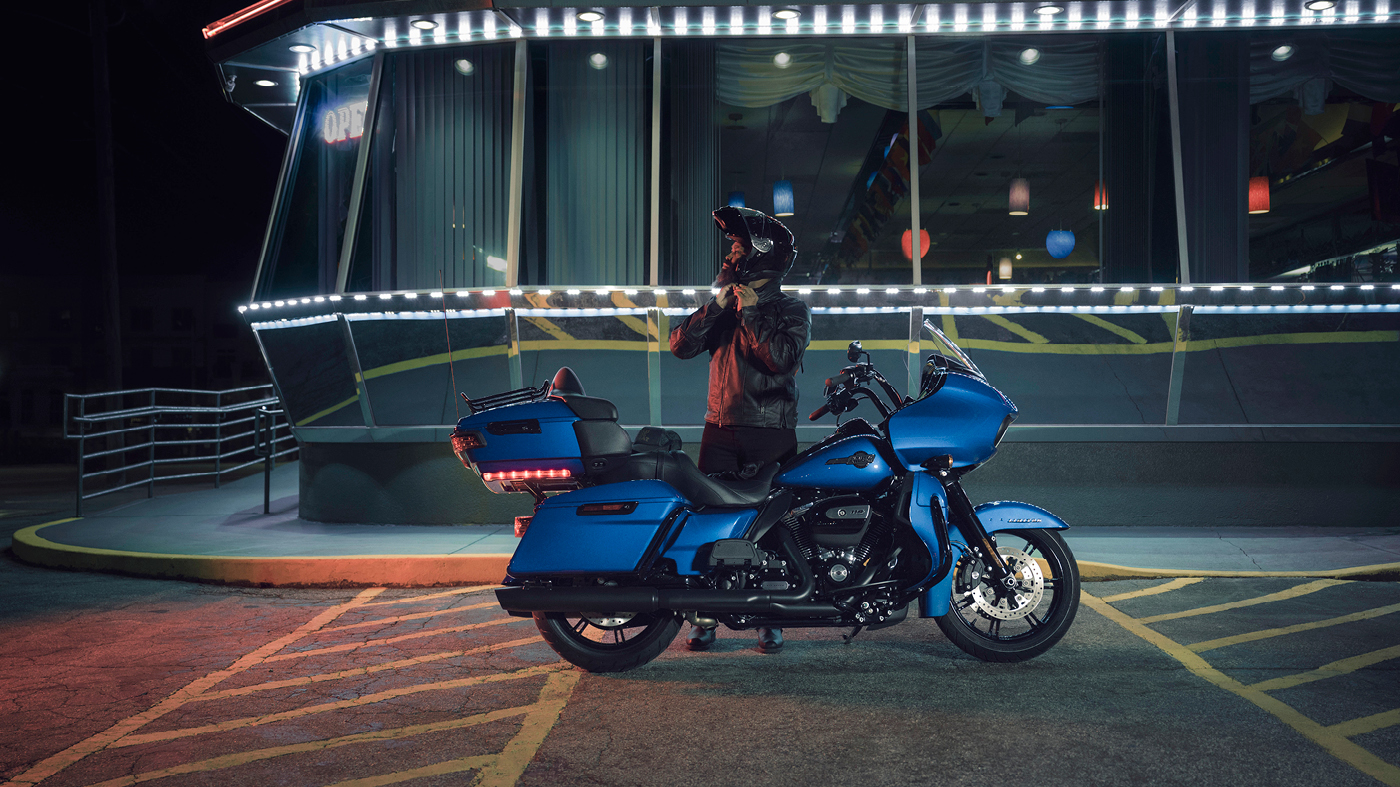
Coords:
1100,196
906,242
1258,195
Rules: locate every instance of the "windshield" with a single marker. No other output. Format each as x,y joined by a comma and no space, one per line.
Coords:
937,342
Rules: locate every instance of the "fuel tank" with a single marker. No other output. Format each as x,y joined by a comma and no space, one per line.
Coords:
965,419
853,463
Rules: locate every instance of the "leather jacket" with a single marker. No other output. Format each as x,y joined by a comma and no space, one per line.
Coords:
754,353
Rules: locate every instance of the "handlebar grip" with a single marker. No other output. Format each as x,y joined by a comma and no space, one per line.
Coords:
840,379
818,413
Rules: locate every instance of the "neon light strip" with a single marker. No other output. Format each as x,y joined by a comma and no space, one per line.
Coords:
239,17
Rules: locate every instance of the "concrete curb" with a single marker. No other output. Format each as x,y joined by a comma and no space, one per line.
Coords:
337,571
433,570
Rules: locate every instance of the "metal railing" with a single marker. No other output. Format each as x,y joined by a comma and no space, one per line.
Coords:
187,433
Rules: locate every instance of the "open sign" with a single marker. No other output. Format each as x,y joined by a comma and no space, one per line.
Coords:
344,122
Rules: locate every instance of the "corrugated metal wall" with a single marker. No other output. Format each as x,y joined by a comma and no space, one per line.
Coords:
690,251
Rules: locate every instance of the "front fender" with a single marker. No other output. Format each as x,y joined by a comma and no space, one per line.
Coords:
995,517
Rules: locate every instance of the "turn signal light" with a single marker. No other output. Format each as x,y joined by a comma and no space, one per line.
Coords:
520,475
461,441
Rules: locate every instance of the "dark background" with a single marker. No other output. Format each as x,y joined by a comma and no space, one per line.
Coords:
194,180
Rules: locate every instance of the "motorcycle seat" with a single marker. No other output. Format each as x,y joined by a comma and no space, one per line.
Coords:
678,470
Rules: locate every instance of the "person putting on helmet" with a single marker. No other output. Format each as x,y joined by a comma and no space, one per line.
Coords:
755,336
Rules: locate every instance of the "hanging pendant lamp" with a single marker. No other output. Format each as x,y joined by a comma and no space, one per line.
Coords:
782,198
1100,196
1004,269
1258,195
736,199
906,242
1020,200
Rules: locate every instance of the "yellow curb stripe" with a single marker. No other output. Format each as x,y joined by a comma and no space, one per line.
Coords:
1333,743
585,344
1293,592
323,413
1024,333
1112,328
1091,571
1254,636
350,673
516,756
257,755
465,354
373,643
311,710
1333,670
117,733
436,769
402,618
1365,724
431,596
337,571
1175,584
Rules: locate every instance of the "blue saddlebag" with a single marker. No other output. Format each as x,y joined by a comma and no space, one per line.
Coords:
606,529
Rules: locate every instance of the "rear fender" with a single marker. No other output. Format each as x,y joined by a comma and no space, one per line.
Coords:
995,517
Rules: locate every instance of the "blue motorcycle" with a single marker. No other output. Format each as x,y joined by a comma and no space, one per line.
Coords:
629,539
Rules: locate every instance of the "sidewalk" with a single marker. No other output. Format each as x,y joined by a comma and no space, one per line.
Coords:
223,536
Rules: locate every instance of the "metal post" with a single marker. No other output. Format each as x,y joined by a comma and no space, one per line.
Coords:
1183,336
913,102
916,335
517,167
654,318
655,273
1174,101
357,188
517,377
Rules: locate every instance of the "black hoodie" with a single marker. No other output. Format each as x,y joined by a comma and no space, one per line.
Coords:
754,354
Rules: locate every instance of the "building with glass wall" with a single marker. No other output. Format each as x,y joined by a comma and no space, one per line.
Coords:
1124,207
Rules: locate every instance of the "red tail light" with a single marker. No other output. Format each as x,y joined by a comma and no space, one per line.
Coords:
461,441
521,475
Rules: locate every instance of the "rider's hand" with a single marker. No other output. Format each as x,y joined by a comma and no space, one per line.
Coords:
747,297
724,298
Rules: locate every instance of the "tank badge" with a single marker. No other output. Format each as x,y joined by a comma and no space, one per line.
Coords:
860,459
1022,521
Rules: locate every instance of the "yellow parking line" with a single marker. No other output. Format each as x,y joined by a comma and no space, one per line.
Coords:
1365,724
436,769
311,710
432,596
516,755
350,673
1335,744
1335,669
1024,333
1293,592
635,323
550,328
1212,644
122,729
1175,584
1111,328
401,618
370,643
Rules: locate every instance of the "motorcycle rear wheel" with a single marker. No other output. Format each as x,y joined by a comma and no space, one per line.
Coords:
994,628
608,644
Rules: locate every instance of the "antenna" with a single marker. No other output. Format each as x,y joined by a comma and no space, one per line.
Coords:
451,368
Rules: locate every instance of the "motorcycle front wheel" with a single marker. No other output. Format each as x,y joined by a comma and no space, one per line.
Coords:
1022,623
614,642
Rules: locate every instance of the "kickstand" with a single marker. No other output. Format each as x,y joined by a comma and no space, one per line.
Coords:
849,637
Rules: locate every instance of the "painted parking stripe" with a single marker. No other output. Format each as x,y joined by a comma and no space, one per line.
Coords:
1329,739
325,707
1175,584
371,643
1365,724
1333,670
414,616
373,668
1293,592
1253,636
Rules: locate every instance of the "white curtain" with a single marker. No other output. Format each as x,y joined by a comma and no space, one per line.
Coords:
1364,62
1066,72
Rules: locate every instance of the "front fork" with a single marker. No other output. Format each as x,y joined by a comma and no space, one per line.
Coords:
982,543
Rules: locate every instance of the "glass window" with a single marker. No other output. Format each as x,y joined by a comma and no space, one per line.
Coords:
304,250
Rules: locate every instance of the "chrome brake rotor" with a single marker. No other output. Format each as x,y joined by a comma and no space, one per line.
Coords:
615,620
1030,587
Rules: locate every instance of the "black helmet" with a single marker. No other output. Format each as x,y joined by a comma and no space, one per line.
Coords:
770,245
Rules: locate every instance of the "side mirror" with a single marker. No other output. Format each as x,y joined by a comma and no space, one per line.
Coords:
854,351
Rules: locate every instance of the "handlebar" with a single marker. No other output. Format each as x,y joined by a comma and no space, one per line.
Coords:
818,413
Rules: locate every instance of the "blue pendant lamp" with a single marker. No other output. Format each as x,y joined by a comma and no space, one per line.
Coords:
1059,243
782,198
736,199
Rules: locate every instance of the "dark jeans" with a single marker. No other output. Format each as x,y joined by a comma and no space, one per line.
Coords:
744,449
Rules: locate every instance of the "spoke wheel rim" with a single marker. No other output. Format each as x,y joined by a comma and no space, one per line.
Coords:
1032,620
609,631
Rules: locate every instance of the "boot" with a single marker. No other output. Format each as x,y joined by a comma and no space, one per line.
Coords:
770,640
700,638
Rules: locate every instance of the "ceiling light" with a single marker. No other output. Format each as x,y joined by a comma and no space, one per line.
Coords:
590,16
464,66
1282,53
424,24
1048,10
1319,5
1029,56
782,60
265,83
598,60
302,48
786,13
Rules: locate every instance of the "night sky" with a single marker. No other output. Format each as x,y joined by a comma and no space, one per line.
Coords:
194,174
